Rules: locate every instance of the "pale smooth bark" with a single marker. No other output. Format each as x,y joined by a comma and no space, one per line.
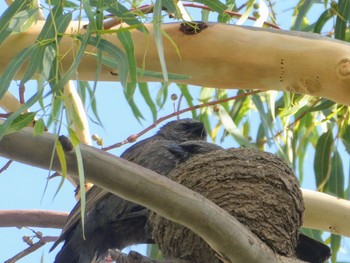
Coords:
221,56
326,212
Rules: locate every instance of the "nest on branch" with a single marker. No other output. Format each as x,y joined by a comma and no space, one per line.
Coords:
259,189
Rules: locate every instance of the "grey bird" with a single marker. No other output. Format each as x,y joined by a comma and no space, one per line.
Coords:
112,222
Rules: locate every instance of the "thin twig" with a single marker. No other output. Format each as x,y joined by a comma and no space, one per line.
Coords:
134,137
7,165
22,90
32,248
5,115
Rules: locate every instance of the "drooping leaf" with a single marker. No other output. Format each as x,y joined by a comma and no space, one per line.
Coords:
335,245
158,37
116,55
23,20
39,127
322,161
21,122
63,163
342,19
134,108
217,6
89,13
335,184
322,20
128,44
12,68
301,10
144,90
16,7
56,108
162,95
120,11
231,127
189,99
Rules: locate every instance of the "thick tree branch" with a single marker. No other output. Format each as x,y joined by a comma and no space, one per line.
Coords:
326,212
33,218
9,102
140,185
221,56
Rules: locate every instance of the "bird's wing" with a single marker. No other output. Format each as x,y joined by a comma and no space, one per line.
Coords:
93,196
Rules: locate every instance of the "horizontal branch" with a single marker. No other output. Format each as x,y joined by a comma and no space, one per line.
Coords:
137,184
221,56
32,218
326,212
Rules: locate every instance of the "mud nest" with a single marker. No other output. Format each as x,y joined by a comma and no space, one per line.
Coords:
258,188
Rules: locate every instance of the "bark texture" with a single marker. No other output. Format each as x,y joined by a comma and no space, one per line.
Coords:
258,188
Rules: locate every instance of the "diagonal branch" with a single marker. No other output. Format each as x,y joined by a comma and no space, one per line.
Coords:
137,184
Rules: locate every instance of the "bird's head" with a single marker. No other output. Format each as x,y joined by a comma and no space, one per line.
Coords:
183,130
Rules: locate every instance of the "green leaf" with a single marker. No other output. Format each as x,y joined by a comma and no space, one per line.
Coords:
56,109
82,186
345,137
335,245
231,127
12,68
73,137
135,110
335,184
162,95
342,19
128,44
22,20
322,20
73,68
322,160
302,9
63,163
84,86
120,11
217,6
21,121
325,104
256,99
240,108
172,8
5,19
117,56
158,75
144,90
55,25
89,13
158,37
39,127
187,95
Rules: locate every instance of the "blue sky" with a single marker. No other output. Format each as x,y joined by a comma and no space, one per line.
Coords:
22,187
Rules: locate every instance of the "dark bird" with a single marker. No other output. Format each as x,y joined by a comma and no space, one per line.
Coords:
112,222
173,245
